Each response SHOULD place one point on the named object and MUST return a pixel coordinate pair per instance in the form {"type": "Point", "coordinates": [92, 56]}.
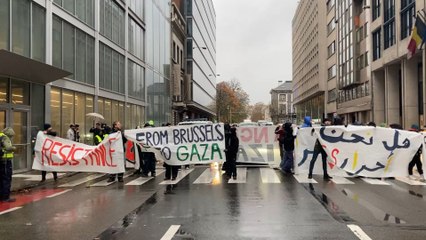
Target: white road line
{"type": "Point", "coordinates": [105, 182]}
{"type": "Point", "coordinates": [374, 181]}
{"type": "Point", "coordinates": [358, 232]}
{"type": "Point", "coordinates": [410, 182]}
{"type": "Point", "coordinates": [59, 193]}
{"type": "Point", "coordinates": [10, 210]}
{"type": "Point", "coordinates": [141, 180]}
{"type": "Point", "coordinates": [181, 174]}
{"type": "Point", "coordinates": [81, 181]}
{"type": "Point", "coordinates": [269, 175]}
{"type": "Point", "coordinates": [171, 232]}
{"type": "Point", "coordinates": [341, 180]}
{"type": "Point", "coordinates": [303, 178]}
{"type": "Point", "coordinates": [241, 176]}
{"type": "Point", "coordinates": [206, 177]}
{"type": "Point", "coordinates": [33, 177]}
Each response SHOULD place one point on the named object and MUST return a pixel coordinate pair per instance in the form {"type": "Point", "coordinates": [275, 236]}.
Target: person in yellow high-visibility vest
{"type": "Point", "coordinates": [6, 164]}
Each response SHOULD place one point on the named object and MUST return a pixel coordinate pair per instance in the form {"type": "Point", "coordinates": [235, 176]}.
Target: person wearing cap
{"type": "Point", "coordinates": [416, 160]}
{"type": "Point", "coordinates": [47, 129]}
{"type": "Point", "coordinates": [6, 164]}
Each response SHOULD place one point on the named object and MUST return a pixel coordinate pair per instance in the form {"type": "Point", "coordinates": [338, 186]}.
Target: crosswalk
{"type": "Point", "coordinates": [212, 176]}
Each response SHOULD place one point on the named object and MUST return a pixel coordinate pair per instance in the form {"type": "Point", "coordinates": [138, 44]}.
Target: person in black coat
{"type": "Point", "coordinates": [227, 128]}
{"type": "Point", "coordinates": [288, 142]}
{"type": "Point", "coordinates": [232, 151]}
{"type": "Point", "coordinates": [47, 129]}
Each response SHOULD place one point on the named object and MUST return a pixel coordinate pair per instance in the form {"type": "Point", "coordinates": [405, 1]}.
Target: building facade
{"type": "Point", "coordinates": [282, 109]}
{"type": "Point", "coordinates": [110, 56]}
{"type": "Point", "coordinates": [200, 77]}
{"type": "Point", "coordinates": [309, 67]}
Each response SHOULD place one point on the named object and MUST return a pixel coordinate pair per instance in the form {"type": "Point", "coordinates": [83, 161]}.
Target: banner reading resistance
{"type": "Point", "coordinates": [181, 145]}
{"type": "Point", "coordinates": [63, 155]}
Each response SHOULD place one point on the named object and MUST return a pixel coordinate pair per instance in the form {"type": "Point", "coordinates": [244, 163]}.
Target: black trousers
{"type": "Point", "coordinates": [416, 161]}
{"type": "Point", "coordinates": [120, 176]}
{"type": "Point", "coordinates": [5, 178]}
{"type": "Point", "coordinates": [171, 171]}
{"type": "Point", "coordinates": [232, 166]}
{"type": "Point", "coordinates": [314, 159]}
{"type": "Point", "coordinates": [43, 175]}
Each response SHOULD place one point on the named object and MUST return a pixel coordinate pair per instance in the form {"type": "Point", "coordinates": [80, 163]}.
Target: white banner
{"type": "Point", "coordinates": [258, 145]}
{"type": "Point", "coordinates": [359, 150]}
{"type": "Point", "coordinates": [181, 145]}
{"type": "Point", "coordinates": [63, 155]}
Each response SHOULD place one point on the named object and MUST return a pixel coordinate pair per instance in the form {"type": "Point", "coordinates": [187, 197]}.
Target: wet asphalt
{"type": "Point", "coordinates": [251, 210]}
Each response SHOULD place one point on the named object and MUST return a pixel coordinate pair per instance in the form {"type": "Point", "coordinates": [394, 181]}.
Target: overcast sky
{"type": "Point", "coordinates": [253, 44]}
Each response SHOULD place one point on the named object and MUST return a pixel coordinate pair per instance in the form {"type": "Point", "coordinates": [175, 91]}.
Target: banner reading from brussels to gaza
{"type": "Point", "coordinates": [359, 150]}
{"type": "Point", "coordinates": [181, 145]}
{"type": "Point", "coordinates": [258, 144]}
{"type": "Point", "coordinates": [63, 155]}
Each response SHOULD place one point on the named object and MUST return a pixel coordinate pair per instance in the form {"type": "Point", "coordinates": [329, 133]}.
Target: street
{"type": "Point", "coordinates": [262, 203]}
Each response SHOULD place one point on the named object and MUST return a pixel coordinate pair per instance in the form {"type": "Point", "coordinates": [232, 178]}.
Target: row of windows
{"type": "Point", "coordinates": [177, 54]}
{"type": "Point", "coordinates": [27, 24]}
{"type": "Point", "coordinates": [73, 50]}
{"type": "Point", "coordinates": [354, 93]}
{"type": "Point", "coordinates": [82, 9]}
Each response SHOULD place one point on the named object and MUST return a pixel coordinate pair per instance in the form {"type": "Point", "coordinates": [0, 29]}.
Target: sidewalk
{"type": "Point", "coordinates": [32, 178]}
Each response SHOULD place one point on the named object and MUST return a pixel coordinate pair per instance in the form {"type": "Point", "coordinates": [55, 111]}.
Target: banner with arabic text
{"type": "Point", "coordinates": [63, 155]}
{"type": "Point", "coordinates": [358, 150]}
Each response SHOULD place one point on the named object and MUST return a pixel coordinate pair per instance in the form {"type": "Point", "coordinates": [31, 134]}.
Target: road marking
{"type": "Point", "coordinates": [181, 174]}
{"type": "Point", "coordinates": [10, 210]}
{"type": "Point", "coordinates": [358, 232]}
{"type": "Point", "coordinates": [171, 232]}
{"type": "Point", "coordinates": [105, 182]}
{"type": "Point", "coordinates": [303, 178]}
{"type": "Point", "coordinates": [341, 180]}
{"type": "Point", "coordinates": [141, 180]}
{"type": "Point", "coordinates": [269, 176]}
{"type": "Point", "coordinates": [81, 181]}
{"type": "Point", "coordinates": [410, 182]}
{"type": "Point", "coordinates": [374, 181]}
{"type": "Point", "coordinates": [241, 176]}
{"type": "Point", "coordinates": [206, 177]}
{"type": "Point", "coordinates": [33, 177]}
{"type": "Point", "coordinates": [59, 193]}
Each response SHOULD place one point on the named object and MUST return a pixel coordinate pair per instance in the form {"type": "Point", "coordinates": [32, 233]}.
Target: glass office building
{"type": "Point", "coordinates": [63, 59]}
{"type": "Point", "coordinates": [200, 57]}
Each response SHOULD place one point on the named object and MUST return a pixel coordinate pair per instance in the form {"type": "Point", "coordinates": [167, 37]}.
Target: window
{"type": "Point", "coordinates": [4, 24]}
{"type": "Point", "coordinates": [21, 27]}
{"type": "Point", "coordinates": [332, 95]}
{"type": "Point", "coordinates": [331, 49]}
{"type": "Point", "coordinates": [112, 21]}
{"type": "Point", "coordinates": [332, 72]}
{"type": "Point", "coordinates": [330, 4]}
{"type": "Point", "coordinates": [389, 24]}
{"type": "Point", "coordinates": [331, 26]}
{"type": "Point", "coordinates": [111, 69]}
{"type": "Point", "coordinates": [136, 81]}
{"type": "Point", "coordinates": [283, 97]}
{"type": "Point", "coordinates": [408, 10]}
{"type": "Point", "coordinates": [82, 9]}
{"type": "Point", "coordinates": [376, 9]}
{"type": "Point", "coordinates": [137, 7]}
{"type": "Point", "coordinates": [136, 39]}
{"type": "Point", "coordinates": [38, 33]}
{"type": "Point", "coordinates": [376, 45]}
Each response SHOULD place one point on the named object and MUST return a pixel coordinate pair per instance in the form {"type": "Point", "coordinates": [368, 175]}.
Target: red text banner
{"type": "Point", "coordinates": [58, 154]}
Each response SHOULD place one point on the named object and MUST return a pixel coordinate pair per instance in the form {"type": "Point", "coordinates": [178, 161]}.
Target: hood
{"type": "Point", "coordinates": [307, 121]}
{"type": "Point", "coordinates": [287, 127]}
{"type": "Point", "coordinates": [9, 132]}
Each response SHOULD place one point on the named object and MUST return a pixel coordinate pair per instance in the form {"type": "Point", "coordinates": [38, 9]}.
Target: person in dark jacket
{"type": "Point", "coordinates": [279, 131]}
{"type": "Point", "coordinates": [317, 150]}
{"type": "Point", "coordinates": [227, 129]}
{"type": "Point", "coordinates": [6, 164]}
{"type": "Point", "coordinates": [47, 129]}
{"type": "Point", "coordinates": [288, 143]}
{"type": "Point", "coordinates": [116, 127]}
{"type": "Point", "coordinates": [416, 160]}
{"type": "Point", "coordinates": [232, 150]}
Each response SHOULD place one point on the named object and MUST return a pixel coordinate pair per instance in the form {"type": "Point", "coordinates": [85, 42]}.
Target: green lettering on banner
{"type": "Point", "coordinates": [185, 154]}
{"type": "Point", "coordinates": [195, 151]}
{"type": "Point", "coordinates": [215, 148]}
{"type": "Point", "coordinates": [206, 146]}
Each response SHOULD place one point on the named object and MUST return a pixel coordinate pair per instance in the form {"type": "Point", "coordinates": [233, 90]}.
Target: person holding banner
{"type": "Point", "coordinates": [279, 131]}
{"type": "Point", "coordinates": [116, 127]}
{"type": "Point", "coordinates": [317, 150]}
{"type": "Point", "coordinates": [416, 160]}
{"type": "Point", "coordinates": [288, 142]}
{"type": "Point", "coordinates": [234, 144]}
{"type": "Point", "coordinates": [47, 129]}
{"type": "Point", "coordinates": [6, 164]}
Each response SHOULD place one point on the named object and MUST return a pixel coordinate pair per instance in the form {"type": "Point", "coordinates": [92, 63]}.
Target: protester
{"type": "Point", "coordinates": [171, 171]}
{"type": "Point", "coordinates": [147, 160]}
{"type": "Point", "coordinates": [76, 132]}
{"type": "Point", "coordinates": [227, 129]}
{"type": "Point", "coordinates": [288, 142]}
{"type": "Point", "coordinates": [319, 149]}
{"type": "Point", "coordinates": [116, 127]}
{"type": "Point", "coordinates": [307, 122]}
{"type": "Point", "coordinates": [6, 164]}
{"type": "Point", "coordinates": [416, 160]}
{"type": "Point", "coordinates": [279, 131]}
{"type": "Point", "coordinates": [371, 124]}
{"type": "Point", "coordinates": [47, 129]}
{"type": "Point", "coordinates": [97, 134]}
{"type": "Point", "coordinates": [233, 152]}
{"type": "Point", "coordinates": [71, 133]}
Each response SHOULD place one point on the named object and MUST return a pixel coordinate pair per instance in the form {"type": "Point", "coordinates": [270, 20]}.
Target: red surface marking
{"type": "Point", "coordinates": [25, 198]}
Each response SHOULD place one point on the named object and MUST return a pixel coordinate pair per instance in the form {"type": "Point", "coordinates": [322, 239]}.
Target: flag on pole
{"type": "Point", "coordinates": [418, 37]}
